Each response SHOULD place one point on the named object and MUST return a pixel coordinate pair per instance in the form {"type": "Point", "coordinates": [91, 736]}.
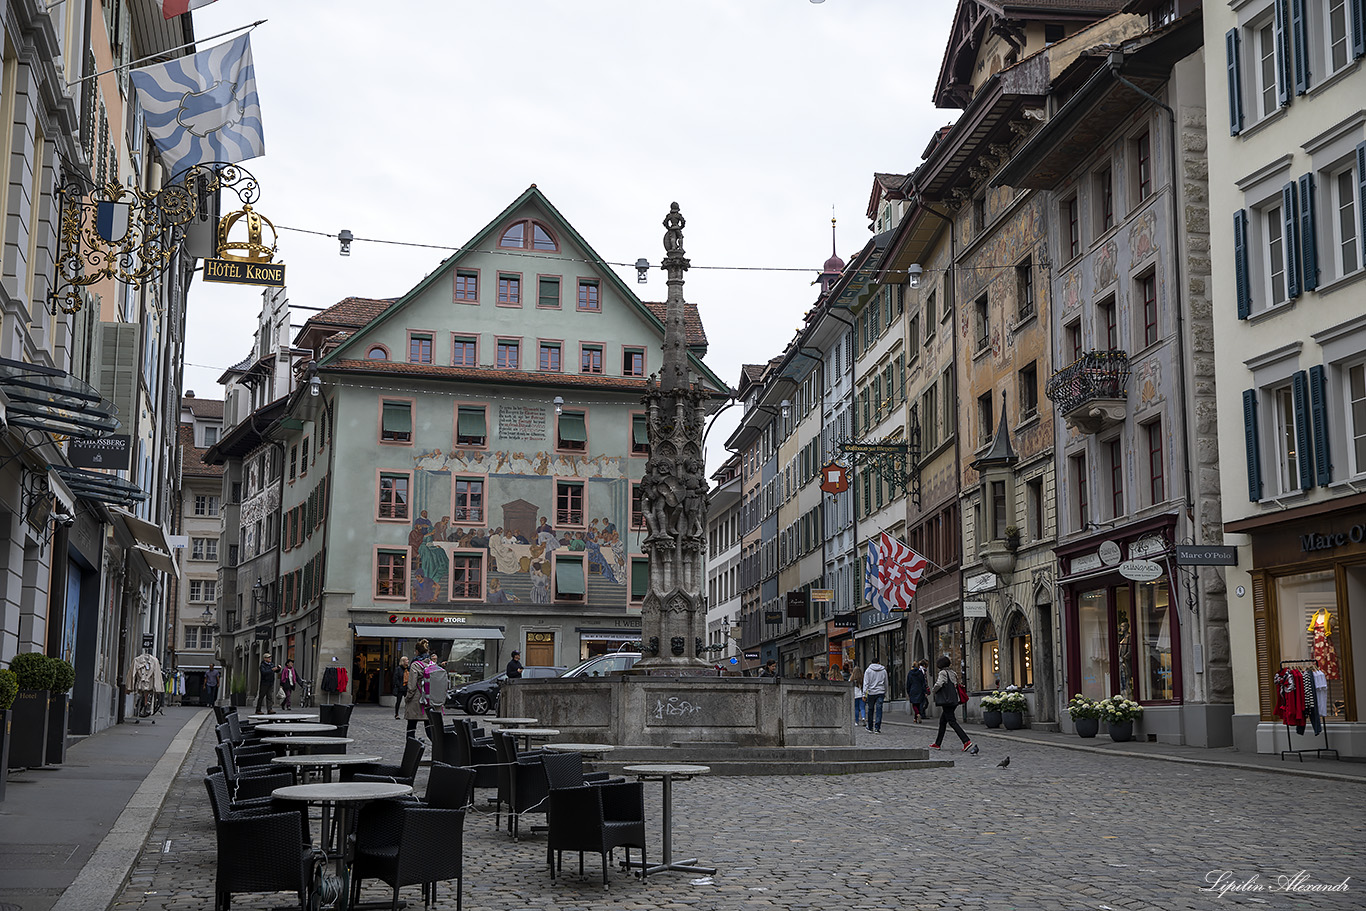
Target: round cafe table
{"type": "Point", "coordinates": [293, 744]}
{"type": "Point", "coordinates": [346, 797]}
{"type": "Point", "coordinates": [281, 716]}
{"type": "Point", "coordinates": [591, 751]}
{"type": "Point", "coordinates": [294, 727]}
{"type": "Point", "coordinates": [528, 734]}
{"type": "Point", "coordinates": [324, 762]}
{"type": "Point", "coordinates": [668, 773]}
{"type": "Point", "coordinates": [513, 722]}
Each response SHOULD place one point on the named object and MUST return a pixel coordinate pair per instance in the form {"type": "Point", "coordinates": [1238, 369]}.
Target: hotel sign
{"type": "Point", "coordinates": [235, 272]}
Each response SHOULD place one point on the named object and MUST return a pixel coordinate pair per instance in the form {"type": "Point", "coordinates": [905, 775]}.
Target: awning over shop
{"type": "Point", "coordinates": [884, 627]}
{"type": "Point", "coordinates": [429, 631]}
{"type": "Point", "coordinates": [158, 560]}
{"type": "Point", "coordinates": [148, 541]}
{"type": "Point", "coordinates": [94, 485]}
{"type": "Point", "coordinates": [45, 398]}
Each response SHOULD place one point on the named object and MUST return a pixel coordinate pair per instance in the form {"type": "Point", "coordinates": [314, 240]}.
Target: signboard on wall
{"type": "Point", "coordinates": [521, 422]}
{"type": "Point", "coordinates": [798, 604]}
{"type": "Point", "coordinates": [974, 609]}
{"type": "Point", "coordinates": [105, 452]}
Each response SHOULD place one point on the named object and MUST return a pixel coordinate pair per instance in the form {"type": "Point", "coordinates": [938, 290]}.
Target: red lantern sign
{"type": "Point", "coordinates": [834, 478]}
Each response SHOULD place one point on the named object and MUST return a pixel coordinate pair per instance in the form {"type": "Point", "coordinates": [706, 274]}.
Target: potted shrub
{"type": "Point", "coordinates": [9, 689]}
{"type": "Point", "coordinates": [991, 710]}
{"type": "Point", "coordinates": [59, 709]}
{"type": "Point", "coordinates": [1119, 714]}
{"type": "Point", "coordinates": [35, 675]}
{"type": "Point", "coordinates": [1013, 705]}
{"type": "Point", "coordinates": [1012, 537]}
{"type": "Point", "coordinates": [237, 689]}
{"type": "Point", "coordinates": [1085, 715]}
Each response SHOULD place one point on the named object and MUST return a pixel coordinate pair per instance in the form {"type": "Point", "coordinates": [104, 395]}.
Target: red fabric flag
{"type": "Point", "coordinates": [172, 8]}
{"type": "Point", "coordinates": [899, 571]}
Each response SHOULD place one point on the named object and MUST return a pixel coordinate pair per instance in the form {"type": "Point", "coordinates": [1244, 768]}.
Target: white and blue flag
{"type": "Point", "coordinates": [203, 108]}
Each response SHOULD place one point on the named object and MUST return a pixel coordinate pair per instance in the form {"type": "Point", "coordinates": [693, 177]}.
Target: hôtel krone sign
{"type": "Point", "coordinates": [238, 272]}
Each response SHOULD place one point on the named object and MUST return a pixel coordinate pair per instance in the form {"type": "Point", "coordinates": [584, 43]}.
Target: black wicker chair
{"type": "Point", "coordinates": [403, 773]}
{"type": "Point", "coordinates": [254, 781]}
{"type": "Point", "coordinates": [565, 770]}
{"type": "Point", "coordinates": [405, 844]}
{"type": "Point", "coordinates": [336, 713]}
{"type": "Point", "coordinates": [449, 787]}
{"type": "Point", "coordinates": [474, 752]}
{"type": "Point", "coordinates": [596, 819]}
{"type": "Point", "coordinates": [522, 784]}
{"type": "Point", "coordinates": [263, 850]}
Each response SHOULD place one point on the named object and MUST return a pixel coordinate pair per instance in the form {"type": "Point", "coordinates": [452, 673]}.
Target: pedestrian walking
{"type": "Point", "coordinates": [916, 685]}
{"type": "Point", "coordinates": [874, 692]}
{"type": "Point", "coordinates": [211, 678]}
{"type": "Point", "coordinates": [265, 695]}
{"type": "Point", "coordinates": [400, 684]}
{"type": "Point", "coordinates": [514, 668]}
{"type": "Point", "coordinates": [946, 696]}
{"type": "Point", "coordinates": [421, 704]}
{"type": "Point", "coordinates": [289, 679]}
{"type": "Point", "coordinates": [856, 675]}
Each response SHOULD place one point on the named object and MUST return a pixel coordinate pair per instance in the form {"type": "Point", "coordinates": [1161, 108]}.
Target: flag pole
{"type": "Point", "coordinates": [133, 63]}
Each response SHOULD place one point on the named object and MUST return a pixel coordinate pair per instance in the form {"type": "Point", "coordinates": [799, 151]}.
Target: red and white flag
{"type": "Point", "coordinates": [172, 8]}
{"type": "Point", "coordinates": [894, 571]}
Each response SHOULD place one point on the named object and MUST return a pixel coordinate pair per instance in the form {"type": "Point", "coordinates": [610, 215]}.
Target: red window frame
{"type": "Point", "coordinates": [509, 289]}
{"type": "Point", "coordinates": [509, 346]}
{"type": "Point", "coordinates": [633, 362]}
{"type": "Point", "coordinates": [1079, 479]}
{"type": "Point", "coordinates": [395, 496]}
{"type": "Point", "coordinates": [1144, 169]}
{"type": "Point", "coordinates": [468, 499]}
{"type": "Point", "coordinates": [467, 285]}
{"type": "Point", "coordinates": [391, 574]}
{"type": "Point", "coordinates": [569, 503]}
{"type": "Point", "coordinates": [1157, 487]}
{"type": "Point", "coordinates": [1148, 293]}
{"type": "Point", "coordinates": [419, 348]}
{"type": "Point", "coordinates": [464, 351]}
{"type": "Point", "coordinates": [1116, 453]}
{"type": "Point", "coordinates": [550, 357]}
{"type": "Point", "coordinates": [467, 576]}
{"type": "Point", "coordinates": [1073, 228]}
{"type": "Point", "coordinates": [590, 295]}
{"type": "Point", "coordinates": [637, 506]}
{"type": "Point", "coordinates": [590, 359]}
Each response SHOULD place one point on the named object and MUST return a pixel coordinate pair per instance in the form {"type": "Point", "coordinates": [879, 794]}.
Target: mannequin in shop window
{"type": "Point", "coordinates": [1325, 655]}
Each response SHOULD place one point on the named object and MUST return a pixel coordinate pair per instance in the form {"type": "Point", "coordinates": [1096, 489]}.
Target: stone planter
{"type": "Point", "coordinates": [237, 699]}
{"type": "Point", "coordinates": [1087, 727]}
{"type": "Point", "coordinates": [991, 719]}
{"type": "Point", "coordinates": [4, 749]}
{"type": "Point", "coordinates": [58, 712]}
{"type": "Point", "coordinates": [1013, 720]}
{"type": "Point", "coordinates": [28, 746]}
{"type": "Point", "coordinates": [1121, 731]}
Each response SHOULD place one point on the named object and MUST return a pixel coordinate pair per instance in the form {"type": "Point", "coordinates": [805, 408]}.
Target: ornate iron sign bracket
{"type": "Point", "coordinates": [898, 463]}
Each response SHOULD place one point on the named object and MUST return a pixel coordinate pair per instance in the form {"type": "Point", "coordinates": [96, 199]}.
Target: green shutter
{"type": "Point", "coordinates": [1253, 443]}
{"type": "Point", "coordinates": [569, 576]}
{"type": "Point", "coordinates": [1235, 83]}
{"type": "Point", "coordinates": [1318, 423]}
{"type": "Point", "coordinates": [1281, 28]}
{"type": "Point", "coordinates": [1240, 273]}
{"type": "Point", "coordinates": [1299, 393]}
{"type": "Point", "coordinates": [1299, 40]}
{"type": "Point", "coordinates": [640, 579]}
{"type": "Point", "coordinates": [573, 428]}
{"type": "Point", "coordinates": [1290, 227]}
{"type": "Point", "coordinates": [471, 422]}
{"type": "Point", "coordinates": [640, 434]}
{"type": "Point", "coordinates": [398, 418]}
{"type": "Point", "coordinates": [1358, 27]}
{"type": "Point", "coordinates": [549, 292]}
{"type": "Point", "coordinates": [1309, 253]}
{"type": "Point", "coordinates": [1361, 196]}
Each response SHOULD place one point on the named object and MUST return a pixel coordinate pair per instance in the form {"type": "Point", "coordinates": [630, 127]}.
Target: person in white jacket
{"type": "Point", "coordinates": [874, 692]}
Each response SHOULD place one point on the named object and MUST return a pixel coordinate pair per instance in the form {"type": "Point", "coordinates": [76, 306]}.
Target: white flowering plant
{"type": "Point", "coordinates": [1012, 701]}
{"type": "Point", "coordinates": [1117, 708]}
{"type": "Point", "coordinates": [1081, 707]}
{"type": "Point", "coordinates": [991, 702]}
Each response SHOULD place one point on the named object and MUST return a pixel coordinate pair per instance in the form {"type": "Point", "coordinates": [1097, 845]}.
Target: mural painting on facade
{"type": "Point", "coordinates": [1142, 236]}
{"type": "Point", "coordinates": [1106, 265]}
{"type": "Point", "coordinates": [1071, 293]}
{"type": "Point", "coordinates": [1149, 376]}
{"type": "Point", "coordinates": [509, 520]}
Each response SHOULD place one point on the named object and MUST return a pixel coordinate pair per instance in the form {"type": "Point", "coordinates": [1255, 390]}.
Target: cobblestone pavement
{"type": "Point", "coordinates": [1057, 829]}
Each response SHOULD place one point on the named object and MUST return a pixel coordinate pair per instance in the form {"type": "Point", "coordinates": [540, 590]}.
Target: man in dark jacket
{"type": "Point", "coordinates": [916, 683]}
{"type": "Point", "coordinates": [266, 694]}
{"type": "Point", "coordinates": [400, 684]}
{"type": "Point", "coordinates": [514, 668]}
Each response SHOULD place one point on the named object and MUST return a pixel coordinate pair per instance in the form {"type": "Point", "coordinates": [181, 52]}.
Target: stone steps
{"type": "Point", "coordinates": [760, 761]}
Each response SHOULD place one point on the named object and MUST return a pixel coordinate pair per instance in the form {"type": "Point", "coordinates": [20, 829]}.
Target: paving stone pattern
{"type": "Point", "coordinates": [1058, 829]}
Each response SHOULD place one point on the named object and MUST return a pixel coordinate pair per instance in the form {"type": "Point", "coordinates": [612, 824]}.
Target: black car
{"type": "Point", "coordinates": [482, 697]}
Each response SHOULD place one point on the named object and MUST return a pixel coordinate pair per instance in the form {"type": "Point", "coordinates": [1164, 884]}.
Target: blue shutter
{"type": "Point", "coordinates": [1361, 188]}
{"type": "Point", "coordinates": [1318, 424]}
{"type": "Point", "coordinates": [1309, 253]}
{"type": "Point", "coordinates": [1358, 27]}
{"type": "Point", "coordinates": [1254, 449]}
{"type": "Point", "coordinates": [1240, 263]}
{"type": "Point", "coordinates": [1299, 42]}
{"type": "Point", "coordinates": [1235, 83]}
{"type": "Point", "coordinates": [1299, 393]}
{"type": "Point", "coordinates": [1290, 229]}
{"type": "Point", "coordinates": [1280, 28]}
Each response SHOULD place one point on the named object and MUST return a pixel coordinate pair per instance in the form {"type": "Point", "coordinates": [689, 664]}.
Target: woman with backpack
{"type": "Point", "coordinates": [415, 703]}
{"type": "Point", "coordinates": [947, 697]}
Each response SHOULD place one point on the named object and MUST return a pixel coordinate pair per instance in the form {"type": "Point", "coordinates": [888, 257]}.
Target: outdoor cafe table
{"type": "Point", "coordinates": [527, 734]}
{"type": "Point", "coordinates": [589, 750]}
{"type": "Point", "coordinates": [346, 797]}
{"type": "Point", "coordinates": [513, 722]}
{"type": "Point", "coordinates": [667, 773]}
{"type": "Point", "coordinates": [292, 744]}
{"type": "Point", "coordinates": [281, 716]}
{"type": "Point", "coordinates": [324, 762]}
{"type": "Point", "coordinates": [294, 727]}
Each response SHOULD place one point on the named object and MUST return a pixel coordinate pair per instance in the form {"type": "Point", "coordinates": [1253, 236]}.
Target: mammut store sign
{"type": "Point", "coordinates": [234, 272]}
{"type": "Point", "coordinates": [425, 619]}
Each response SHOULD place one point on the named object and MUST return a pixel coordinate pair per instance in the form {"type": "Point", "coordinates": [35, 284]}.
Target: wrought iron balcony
{"type": "Point", "coordinates": [1092, 393]}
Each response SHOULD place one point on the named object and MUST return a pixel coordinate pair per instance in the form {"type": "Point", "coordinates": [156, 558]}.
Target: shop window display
{"type": "Point", "coordinates": [988, 657]}
{"type": "Point", "coordinates": [1310, 630]}
{"type": "Point", "coordinates": [1021, 652]}
{"type": "Point", "coordinates": [1093, 626]}
{"type": "Point", "coordinates": [1154, 644]}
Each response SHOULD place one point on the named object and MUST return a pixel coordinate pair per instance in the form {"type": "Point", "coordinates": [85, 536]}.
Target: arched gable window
{"type": "Point", "coordinates": [528, 234]}
{"type": "Point", "coordinates": [377, 353]}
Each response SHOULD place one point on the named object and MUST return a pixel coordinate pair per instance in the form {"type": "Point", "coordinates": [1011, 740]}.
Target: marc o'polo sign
{"type": "Point", "coordinates": [234, 272]}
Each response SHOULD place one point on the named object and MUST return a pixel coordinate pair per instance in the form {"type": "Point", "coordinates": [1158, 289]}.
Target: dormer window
{"type": "Point", "coordinates": [377, 353]}
{"type": "Point", "coordinates": [528, 234]}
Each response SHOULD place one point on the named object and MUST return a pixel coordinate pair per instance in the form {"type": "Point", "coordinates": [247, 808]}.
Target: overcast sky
{"type": "Point", "coordinates": [420, 121]}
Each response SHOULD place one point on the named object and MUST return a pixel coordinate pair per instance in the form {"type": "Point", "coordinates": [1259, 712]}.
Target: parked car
{"type": "Point", "coordinates": [611, 663]}
{"type": "Point", "coordinates": [482, 697]}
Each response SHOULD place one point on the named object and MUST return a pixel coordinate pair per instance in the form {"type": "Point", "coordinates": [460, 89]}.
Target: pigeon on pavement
{"type": "Point", "coordinates": [1003, 763]}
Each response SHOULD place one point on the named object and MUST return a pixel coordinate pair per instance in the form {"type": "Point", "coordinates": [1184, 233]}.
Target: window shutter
{"type": "Point", "coordinates": [569, 576]}
{"type": "Point", "coordinates": [1309, 253]}
{"type": "Point", "coordinates": [1235, 83]}
{"type": "Point", "coordinates": [1299, 391]}
{"type": "Point", "coordinates": [1318, 423]}
{"type": "Point", "coordinates": [1290, 226]}
{"type": "Point", "coordinates": [1254, 450]}
{"type": "Point", "coordinates": [1282, 25]}
{"type": "Point", "coordinates": [640, 434]}
{"type": "Point", "coordinates": [471, 422]}
{"type": "Point", "coordinates": [1358, 14]}
{"type": "Point", "coordinates": [397, 418]}
{"type": "Point", "coordinates": [1299, 40]}
{"type": "Point", "coordinates": [572, 427]}
{"type": "Point", "coordinates": [1240, 263]}
{"type": "Point", "coordinates": [1361, 184]}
